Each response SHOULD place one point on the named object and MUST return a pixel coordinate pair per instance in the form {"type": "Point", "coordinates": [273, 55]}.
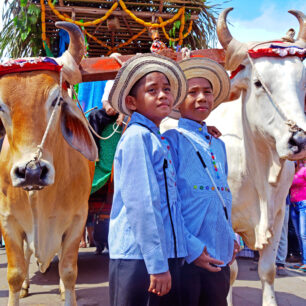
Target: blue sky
{"type": "Point", "coordinates": [262, 19]}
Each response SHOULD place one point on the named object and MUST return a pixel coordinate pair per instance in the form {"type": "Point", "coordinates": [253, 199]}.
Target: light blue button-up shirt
{"type": "Point", "coordinates": [140, 225]}
{"type": "Point", "coordinates": [202, 209]}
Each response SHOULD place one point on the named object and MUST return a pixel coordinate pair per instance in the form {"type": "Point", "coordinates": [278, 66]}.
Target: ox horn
{"type": "Point", "coordinates": [224, 35]}
{"type": "Point", "coordinates": [235, 50]}
{"type": "Point", "coordinates": [77, 44]}
{"type": "Point", "coordinates": [302, 20]}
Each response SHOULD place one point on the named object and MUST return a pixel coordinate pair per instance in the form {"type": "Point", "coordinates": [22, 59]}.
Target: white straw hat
{"type": "Point", "coordinates": [199, 67]}
{"type": "Point", "coordinates": [137, 67]}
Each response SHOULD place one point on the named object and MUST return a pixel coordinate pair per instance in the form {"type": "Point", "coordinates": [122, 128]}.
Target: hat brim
{"type": "Point", "coordinates": [137, 67]}
{"type": "Point", "coordinates": [210, 70]}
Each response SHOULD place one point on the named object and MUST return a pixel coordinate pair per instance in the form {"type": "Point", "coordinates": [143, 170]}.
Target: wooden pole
{"type": "Point", "coordinates": [106, 68]}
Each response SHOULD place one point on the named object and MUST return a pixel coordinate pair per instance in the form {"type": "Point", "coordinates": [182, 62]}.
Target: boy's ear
{"type": "Point", "coordinates": [130, 102]}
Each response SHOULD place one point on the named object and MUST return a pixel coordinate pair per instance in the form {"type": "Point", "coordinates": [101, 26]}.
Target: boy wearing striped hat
{"type": "Point", "coordinates": [146, 236]}
{"type": "Point", "coordinates": [201, 166]}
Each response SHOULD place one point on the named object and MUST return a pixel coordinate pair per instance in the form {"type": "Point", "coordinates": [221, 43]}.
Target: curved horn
{"type": "Point", "coordinates": [302, 20]}
{"type": "Point", "coordinates": [77, 45]}
{"type": "Point", "coordinates": [224, 35]}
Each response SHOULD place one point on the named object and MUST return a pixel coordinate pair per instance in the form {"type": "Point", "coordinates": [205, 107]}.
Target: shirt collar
{"type": "Point", "coordinates": [142, 120]}
{"type": "Point", "coordinates": [192, 125]}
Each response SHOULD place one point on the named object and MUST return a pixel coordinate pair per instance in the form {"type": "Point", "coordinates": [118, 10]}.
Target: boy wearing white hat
{"type": "Point", "coordinates": [146, 236]}
{"type": "Point", "coordinates": [201, 165]}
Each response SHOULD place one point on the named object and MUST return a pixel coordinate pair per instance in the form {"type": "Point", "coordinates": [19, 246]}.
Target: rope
{"type": "Point", "coordinates": [162, 24]}
{"type": "Point", "coordinates": [149, 24]}
{"type": "Point", "coordinates": [293, 127]}
{"type": "Point", "coordinates": [89, 125]}
{"type": "Point", "coordinates": [39, 152]}
{"type": "Point", "coordinates": [43, 22]}
{"type": "Point", "coordinates": [127, 42]}
{"type": "Point", "coordinates": [79, 23]}
{"type": "Point", "coordinates": [176, 39]}
{"type": "Point", "coordinates": [181, 37]}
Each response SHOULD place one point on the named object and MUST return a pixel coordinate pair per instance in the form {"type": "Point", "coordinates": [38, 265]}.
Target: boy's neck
{"type": "Point", "coordinates": [199, 122]}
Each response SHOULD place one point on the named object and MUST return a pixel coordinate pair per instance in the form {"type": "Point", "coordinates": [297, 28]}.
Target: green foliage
{"type": "Point", "coordinates": [21, 33]}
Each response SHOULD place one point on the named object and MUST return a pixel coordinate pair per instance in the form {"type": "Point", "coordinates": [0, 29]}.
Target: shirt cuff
{"type": "Point", "coordinates": [195, 248]}
{"type": "Point", "coordinates": [155, 261]}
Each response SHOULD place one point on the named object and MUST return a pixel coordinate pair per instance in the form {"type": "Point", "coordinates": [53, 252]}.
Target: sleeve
{"type": "Point", "coordinates": [141, 197]}
{"type": "Point", "coordinates": [226, 172]}
{"type": "Point", "coordinates": [194, 246]}
{"type": "Point", "coordinates": [107, 89]}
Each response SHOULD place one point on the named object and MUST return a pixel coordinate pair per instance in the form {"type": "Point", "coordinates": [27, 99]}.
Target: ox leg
{"type": "Point", "coordinates": [16, 267]}
{"type": "Point", "coordinates": [26, 284]}
{"type": "Point", "coordinates": [68, 272]}
{"type": "Point", "coordinates": [233, 276]}
{"type": "Point", "coordinates": [266, 264]}
{"type": "Point", "coordinates": [68, 258]}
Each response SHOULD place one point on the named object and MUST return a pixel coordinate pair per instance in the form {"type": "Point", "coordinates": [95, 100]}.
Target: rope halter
{"type": "Point", "coordinates": [40, 147]}
{"type": "Point", "coordinates": [293, 127]}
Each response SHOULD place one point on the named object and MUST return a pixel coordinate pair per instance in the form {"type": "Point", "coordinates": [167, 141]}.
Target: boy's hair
{"type": "Point", "coordinates": [134, 89]}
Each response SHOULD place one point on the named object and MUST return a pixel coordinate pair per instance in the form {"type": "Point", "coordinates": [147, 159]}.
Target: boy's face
{"type": "Point", "coordinates": [153, 97]}
{"type": "Point", "coordinates": [199, 100]}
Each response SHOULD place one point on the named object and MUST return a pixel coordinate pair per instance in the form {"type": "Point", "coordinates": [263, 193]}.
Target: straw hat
{"type": "Point", "coordinates": [137, 67]}
{"type": "Point", "coordinates": [197, 67]}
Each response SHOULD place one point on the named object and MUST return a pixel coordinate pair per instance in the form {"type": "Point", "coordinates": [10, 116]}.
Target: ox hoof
{"type": "Point", "coordinates": [24, 292]}
{"type": "Point", "coordinates": [62, 294]}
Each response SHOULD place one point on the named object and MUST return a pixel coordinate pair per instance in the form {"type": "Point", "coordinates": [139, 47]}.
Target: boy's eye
{"type": "Point", "coordinates": [151, 89]}
{"type": "Point", "coordinates": [167, 89]}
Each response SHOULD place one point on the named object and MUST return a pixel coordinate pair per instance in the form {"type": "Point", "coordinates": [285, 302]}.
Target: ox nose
{"type": "Point", "coordinates": [297, 142]}
{"type": "Point", "coordinates": [32, 175]}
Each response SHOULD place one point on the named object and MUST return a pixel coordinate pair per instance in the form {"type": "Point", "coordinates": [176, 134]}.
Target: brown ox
{"type": "Point", "coordinates": [43, 203]}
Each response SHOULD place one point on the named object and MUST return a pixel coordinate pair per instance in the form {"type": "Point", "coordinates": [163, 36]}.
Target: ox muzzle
{"type": "Point", "coordinates": [297, 142]}
{"type": "Point", "coordinates": [32, 175]}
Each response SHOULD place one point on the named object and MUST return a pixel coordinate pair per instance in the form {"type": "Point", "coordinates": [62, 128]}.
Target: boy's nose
{"type": "Point", "coordinates": [201, 97]}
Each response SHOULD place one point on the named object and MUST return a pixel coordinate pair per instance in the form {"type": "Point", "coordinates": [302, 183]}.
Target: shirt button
{"type": "Point", "coordinates": [200, 129]}
{"type": "Point", "coordinates": [195, 187]}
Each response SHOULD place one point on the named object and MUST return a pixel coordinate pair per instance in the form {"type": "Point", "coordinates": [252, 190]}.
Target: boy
{"type": "Point", "coordinates": [146, 227]}
{"type": "Point", "coordinates": [205, 196]}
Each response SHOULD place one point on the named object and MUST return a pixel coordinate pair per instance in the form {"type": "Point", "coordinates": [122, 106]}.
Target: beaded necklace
{"type": "Point", "coordinates": [213, 158]}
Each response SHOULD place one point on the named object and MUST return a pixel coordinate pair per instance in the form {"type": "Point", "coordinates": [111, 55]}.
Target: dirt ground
{"type": "Point", "coordinates": [92, 284]}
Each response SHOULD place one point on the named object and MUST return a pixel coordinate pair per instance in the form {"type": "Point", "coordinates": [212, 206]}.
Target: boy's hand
{"type": "Point", "coordinates": [108, 109]}
{"type": "Point", "coordinates": [212, 130]}
{"type": "Point", "coordinates": [206, 262]}
{"type": "Point", "coordinates": [160, 284]}
{"type": "Point", "coordinates": [236, 250]}
{"type": "Point", "coordinates": [120, 119]}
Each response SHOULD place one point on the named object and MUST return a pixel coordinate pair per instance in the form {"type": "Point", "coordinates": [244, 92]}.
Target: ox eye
{"type": "Point", "coordinates": [53, 102]}
{"type": "Point", "coordinates": [257, 84]}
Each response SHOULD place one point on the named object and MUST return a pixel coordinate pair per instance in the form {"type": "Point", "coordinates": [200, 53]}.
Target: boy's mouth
{"type": "Point", "coordinates": [202, 108]}
{"type": "Point", "coordinates": [164, 104]}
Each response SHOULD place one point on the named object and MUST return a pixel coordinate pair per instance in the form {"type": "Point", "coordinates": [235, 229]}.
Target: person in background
{"type": "Point", "coordinates": [298, 211]}
{"type": "Point", "coordinates": [282, 250]}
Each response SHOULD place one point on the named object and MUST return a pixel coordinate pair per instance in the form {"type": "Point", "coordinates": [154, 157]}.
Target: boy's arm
{"type": "Point", "coordinates": [141, 197]}
{"type": "Point", "coordinates": [195, 247]}
{"type": "Point", "coordinates": [230, 213]}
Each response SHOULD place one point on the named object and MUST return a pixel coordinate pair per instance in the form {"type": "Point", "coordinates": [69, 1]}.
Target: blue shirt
{"type": "Point", "coordinates": [202, 209]}
{"type": "Point", "coordinates": [140, 225]}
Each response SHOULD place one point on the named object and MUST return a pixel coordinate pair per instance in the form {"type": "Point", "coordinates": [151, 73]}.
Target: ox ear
{"type": "Point", "coordinates": [76, 133]}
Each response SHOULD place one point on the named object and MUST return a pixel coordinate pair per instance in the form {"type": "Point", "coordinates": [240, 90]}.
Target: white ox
{"type": "Point", "coordinates": [260, 143]}
{"type": "Point", "coordinates": [44, 201]}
